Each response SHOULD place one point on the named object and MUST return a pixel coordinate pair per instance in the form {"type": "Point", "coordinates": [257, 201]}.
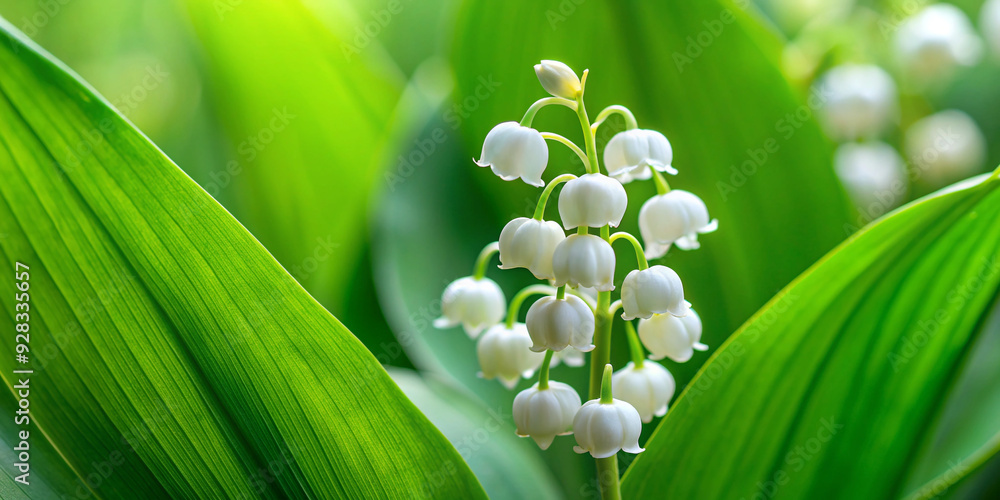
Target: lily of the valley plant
{"type": "Point", "coordinates": [576, 312]}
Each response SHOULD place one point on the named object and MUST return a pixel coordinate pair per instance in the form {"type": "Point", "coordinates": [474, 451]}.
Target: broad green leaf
{"type": "Point", "coordinates": [721, 101]}
{"type": "Point", "coordinates": [172, 355]}
{"type": "Point", "coordinates": [306, 119]}
{"type": "Point", "coordinates": [834, 387]}
{"type": "Point", "coordinates": [504, 463]}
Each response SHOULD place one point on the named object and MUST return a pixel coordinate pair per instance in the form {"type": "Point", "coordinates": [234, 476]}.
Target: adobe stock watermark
{"type": "Point", "coordinates": [248, 151]}
{"type": "Point", "coordinates": [45, 11]}
{"type": "Point", "coordinates": [321, 252]}
{"type": "Point", "coordinates": [562, 12]}
{"type": "Point", "coordinates": [129, 101]}
{"type": "Point", "coordinates": [796, 459]}
{"type": "Point", "coordinates": [889, 24]}
{"type": "Point", "coordinates": [786, 127]}
{"type": "Point", "coordinates": [366, 33]}
{"type": "Point", "coordinates": [738, 348]}
{"type": "Point", "coordinates": [701, 41]}
{"type": "Point", "coordinates": [426, 146]}
{"type": "Point", "coordinates": [927, 328]}
{"type": "Point", "coordinates": [916, 166]}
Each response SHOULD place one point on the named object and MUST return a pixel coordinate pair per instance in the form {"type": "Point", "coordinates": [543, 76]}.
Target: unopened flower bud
{"type": "Point", "coordinates": [584, 260]}
{"type": "Point", "coordinates": [558, 79]}
{"type": "Point", "coordinates": [474, 303]}
{"type": "Point", "coordinates": [555, 324]}
{"type": "Point", "coordinates": [514, 151]}
{"type": "Point", "coordinates": [592, 200]}
{"type": "Point", "coordinates": [529, 243]}
{"type": "Point", "coordinates": [546, 413]}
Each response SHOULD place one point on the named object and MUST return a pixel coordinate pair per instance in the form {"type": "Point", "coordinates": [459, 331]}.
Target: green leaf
{"type": "Point", "coordinates": [832, 389]}
{"type": "Point", "coordinates": [721, 102]}
{"type": "Point", "coordinates": [172, 355]}
{"type": "Point", "coordinates": [306, 109]}
{"type": "Point", "coordinates": [505, 464]}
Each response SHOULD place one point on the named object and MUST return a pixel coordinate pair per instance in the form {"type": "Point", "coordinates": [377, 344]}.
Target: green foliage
{"type": "Point", "coordinates": [839, 385]}
{"type": "Point", "coordinates": [173, 356]}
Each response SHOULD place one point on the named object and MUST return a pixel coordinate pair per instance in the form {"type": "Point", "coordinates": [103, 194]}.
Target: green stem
{"type": "Point", "coordinates": [661, 183]}
{"type": "Point", "coordinates": [601, 355]}
{"type": "Point", "coordinates": [582, 230]}
{"type": "Point", "coordinates": [544, 198]}
{"type": "Point", "coordinates": [639, 254]}
{"type": "Point", "coordinates": [561, 292]}
{"type": "Point", "coordinates": [606, 385]}
{"type": "Point", "coordinates": [543, 374]}
{"type": "Point", "coordinates": [519, 298]}
{"type": "Point", "coordinates": [570, 144]}
{"type": "Point", "coordinates": [634, 346]}
{"type": "Point", "coordinates": [484, 258]}
{"type": "Point", "coordinates": [630, 123]}
{"type": "Point", "coordinates": [529, 115]}
{"type": "Point", "coordinates": [593, 166]}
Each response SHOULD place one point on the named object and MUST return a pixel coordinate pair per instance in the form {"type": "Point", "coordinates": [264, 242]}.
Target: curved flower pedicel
{"type": "Point", "coordinates": [575, 313]}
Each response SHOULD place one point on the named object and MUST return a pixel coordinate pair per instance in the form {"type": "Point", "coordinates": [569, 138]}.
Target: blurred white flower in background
{"type": "Point", "coordinates": [989, 23]}
{"type": "Point", "coordinates": [859, 101]}
{"type": "Point", "coordinates": [936, 40]}
{"type": "Point", "coordinates": [873, 174]}
{"type": "Point", "coordinates": [945, 147]}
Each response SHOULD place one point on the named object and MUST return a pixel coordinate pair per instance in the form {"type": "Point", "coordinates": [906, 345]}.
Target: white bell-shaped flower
{"type": "Point", "coordinates": [474, 303]}
{"type": "Point", "coordinates": [570, 357]}
{"type": "Point", "coordinates": [636, 149]}
{"type": "Point", "coordinates": [584, 260]}
{"type": "Point", "coordinates": [666, 335]}
{"type": "Point", "coordinates": [558, 79]}
{"type": "Point", "coordinates": [514, 151]}
{"type": "Point", "coordinates": [602, 429]}
{"type": "Point", "coordinates": [936, 40]}
{"type": "Point", "coordinates": [858, 101]}
{"type": "Point", "coordinates": [873, 174]}
{"type": "Point", "coordinates": [989, 22]}
{"type": "Point", "coordinates": [546, 413]}
{"type": "Point", "coordinates": [529, 243]}
{"type": "Point", "coordinates": [676, 217]}
{"type": "Point", "coordinates": [555, 324]}
{"type": "Point", "coordinates": [638, 174]}
{"type": "Point", "coordinates": [505, 354]}
{"type": "Point", "coordinates": [945, 147]}
{"type": "Point", "coordinates": [592, 200]}
{"type": "Point", "coordinates": [647, 388]}
{"type": "Point", "coordinates": [656, 290]}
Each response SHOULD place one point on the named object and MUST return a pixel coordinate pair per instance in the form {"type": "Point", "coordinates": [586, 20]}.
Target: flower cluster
{"type": "Point", "coordinates": [860, 103]}
{"type": "Point", "coordinates": [575, 313]}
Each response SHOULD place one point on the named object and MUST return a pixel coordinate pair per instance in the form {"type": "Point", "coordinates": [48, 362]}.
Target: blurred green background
{"type": "Point", "coordinates": [341, 134]}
